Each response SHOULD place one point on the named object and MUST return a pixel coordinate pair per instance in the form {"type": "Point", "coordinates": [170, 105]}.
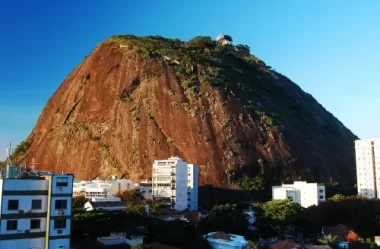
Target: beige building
{"type": "Point", "coordinates": [368, 167]}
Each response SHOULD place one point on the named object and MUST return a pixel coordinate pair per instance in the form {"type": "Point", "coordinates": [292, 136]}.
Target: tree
{"type": "Point", "coordinates": [139, 246]}
{"type": "Point", "coordinates": [252, 184]}
{"type": "Point", "coordinates": [252, 245]}
{"type": "Point", "coordinates": [79, 201]}
{"type": "Point", "coordinates": [363, 244]}
{"type": "Point", "coordinates": [281, 212]}
{"type": "Point", "coordinates": [225, 218]}
{"type": "Point", "coordinates": [328, 239]}
{"type": "Point", "coordinates": [337, 197]}
{"type": "Point", "coordinates": [133, 196]}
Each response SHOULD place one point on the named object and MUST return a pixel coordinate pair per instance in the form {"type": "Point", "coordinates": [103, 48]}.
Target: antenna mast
{"type": "Point", "coordinates": [33, 163]}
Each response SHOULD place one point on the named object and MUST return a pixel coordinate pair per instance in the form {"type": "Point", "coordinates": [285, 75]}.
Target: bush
{"type": "Point", "coordinates": [202, 42]}
{"type": "Point", "coordinates": [125, 96]}
{"type": "Point", "coordinates": [21, 149]}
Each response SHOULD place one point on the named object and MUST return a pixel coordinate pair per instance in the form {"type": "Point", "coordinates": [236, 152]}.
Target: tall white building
{"type": "Point", "coordinates": [176, 183]}
{"type": "Point", "coordinates": [192, 187]}
{"type": "Point", "coordinates": [36, 212]}
{"type": "Point", "coordinates": [368, 167]}
{"type": "Point", "coordinates": [303, 193]}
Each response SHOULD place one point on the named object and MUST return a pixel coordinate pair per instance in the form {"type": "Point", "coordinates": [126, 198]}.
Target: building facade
{"type": "Point", "coordinates": [36, 212]}
{"type": "Point", "coordinates": [101, 188]}
{"type": "Point", "coordinates": [368, 167]}
{"type": "Point", "coordinates": [175, 182]}
{"type": "Point", "coordinates": [192, 187]}
{"type": "Point", "coordinates": [145, 189]}
{"type": "Point", "coordinates": [303, 193]}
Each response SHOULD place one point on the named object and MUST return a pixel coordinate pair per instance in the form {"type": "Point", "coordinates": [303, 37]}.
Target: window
{"type": "Point", "coordinates": [12, 204]}
{"type": "Point", "coordinates": [321, 197]}
{"type": "Point", "coordinates": [60, 204]}
{"type": "Point", "coordinates": [36, 204]}
{"type": "Point", "coordinates": [321, 191]}
{"type": "Point", "coordinates": [62, 181]}
{"type": "Point", "coordinates": [11, 225]}
{"type": "Point", "coordinates": [59, 224]}
{"type": "Point", "coordinates": [35, 224]}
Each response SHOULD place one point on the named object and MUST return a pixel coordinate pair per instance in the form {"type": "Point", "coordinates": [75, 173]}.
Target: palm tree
{"type": "Point", "coordinates": [327, 239]}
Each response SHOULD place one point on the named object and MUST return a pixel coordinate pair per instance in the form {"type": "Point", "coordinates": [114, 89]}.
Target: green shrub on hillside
{"type": "Point", "coordinates": [22, 148]}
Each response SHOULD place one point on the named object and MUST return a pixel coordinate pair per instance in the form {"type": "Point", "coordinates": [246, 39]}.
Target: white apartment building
{"type": "Point", "coordinates": [36, 212]}
{"type": "Point", "coordinates": [145, 188]}
{"type": "Point", "coordinates": [101, 188]}
{"type": "Point", "coordinates": [192, 187]}
{"type": "Point", "coordinates": [303, 193]}
{"type": "Point", "coordinates": [368, 167]}
{"type": "Point", "coordinates": [176, 183]}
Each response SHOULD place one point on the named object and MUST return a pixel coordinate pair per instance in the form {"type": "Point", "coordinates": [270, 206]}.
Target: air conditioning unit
{"type": "Point", "coordinates": [59, 231]}
{"type": "Point", "coordinates": [21, 211]}
{"type": "Point", "coordinates": [61, 212]}
{"type": "Point", "coordinates": [27, 231]}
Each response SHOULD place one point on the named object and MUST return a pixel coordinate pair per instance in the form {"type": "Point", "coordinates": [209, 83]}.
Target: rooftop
{"type": "Point", "coordinates": [107, 204]}
{"type": "Point", "coordinates": [156, 245]}
{"type": "Point", "coordinates": [285, 244]}
{"type": "Point", "coordinates": [226, 239]}
{"type": "Point", "coordinates": [342, 232]}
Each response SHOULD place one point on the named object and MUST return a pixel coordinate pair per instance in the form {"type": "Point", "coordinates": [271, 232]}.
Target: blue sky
{"type": "Point", "coordinates": [330, 48]}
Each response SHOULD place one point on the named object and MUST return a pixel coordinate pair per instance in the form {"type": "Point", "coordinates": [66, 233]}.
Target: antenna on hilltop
{"type": "Point", "coordinates": [8, 154]}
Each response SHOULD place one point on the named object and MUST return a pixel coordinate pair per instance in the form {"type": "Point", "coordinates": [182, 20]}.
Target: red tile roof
{"type": "Point", "coordinates": [284, 244]}
{"type": "Point", "coordinates": [341, 232]}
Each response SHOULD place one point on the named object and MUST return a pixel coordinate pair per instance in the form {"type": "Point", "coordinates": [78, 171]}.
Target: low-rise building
{"type": "Point", "coordinates": [145, 188]}
{"type": "Point", "coordinates": [107, 204]}
{"type": "Point", "coordinates": [306, 194]}
{"type": "Point", "coordinates": [35, 211]}
{"type": "Point", "coordinates": [101, 188]}
{"type": "Point", "coordinates": [121, 238]}
{"type": "Point", "coordinates": [222, 240]}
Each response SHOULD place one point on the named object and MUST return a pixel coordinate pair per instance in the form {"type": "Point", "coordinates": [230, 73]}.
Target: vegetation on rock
{"type": "Point", "coordinates": [210, 104]}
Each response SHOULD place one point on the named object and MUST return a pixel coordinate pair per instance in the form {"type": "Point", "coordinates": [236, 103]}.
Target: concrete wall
{"type": "Point", "coordinates": [38, 243]}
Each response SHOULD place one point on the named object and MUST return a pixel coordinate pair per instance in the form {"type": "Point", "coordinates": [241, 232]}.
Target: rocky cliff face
{"type": "Point", "coordinates": [134, 100]}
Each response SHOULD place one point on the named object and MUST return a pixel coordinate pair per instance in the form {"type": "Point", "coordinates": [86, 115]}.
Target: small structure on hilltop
{"type": "Point", "coordinates": [224, 39]}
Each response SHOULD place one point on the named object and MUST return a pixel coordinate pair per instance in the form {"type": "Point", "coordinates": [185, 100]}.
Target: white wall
{"type": "Point", "coordinates": [22, 225]}
{"type": "Point", "coordinates": [56, 243]}
{"type": "Point", "coordinates": [181, 186]}
{"type": "Point", "coordinates": [193, 187]}
{"type": "Point", "coordinates": [306, 194]}
{"type": "Point", "coordinates": [38, 243]}
{"type": "Point", "coordinates": [24, 203]}
{"type": "Point", "coordinates": [23, 185]}
{"type": "Point", "coordinates": [135, 241]}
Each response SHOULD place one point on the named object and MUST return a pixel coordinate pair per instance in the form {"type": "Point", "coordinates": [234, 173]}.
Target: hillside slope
{"type": "Point", "coordinates": [134, 100]}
